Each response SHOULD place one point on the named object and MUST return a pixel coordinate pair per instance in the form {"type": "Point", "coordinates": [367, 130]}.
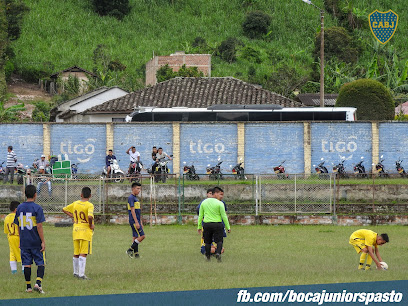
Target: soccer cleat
{"type": "Point", "coordinates": [218, 256]}
{"type": "Point", "coordinates": [84, 277]}
{"type": "Point", "coordinates": [38, 289]}
{"type": "Point", "coordinates": [76, 275]}
{"type": "Point", "coordinates": [137, 255]}
{"type": "Point", "coordinates": [29, 290]}
{"type": "Point", "coordinates": [208, 258]}
{"type": "Point", "coordinates": [130, 253]}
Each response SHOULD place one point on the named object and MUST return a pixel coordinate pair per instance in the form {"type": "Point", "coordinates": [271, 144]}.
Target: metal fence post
{"type": "Point", "coordinates": [179, 199]}
{"type": "Point", "coordinates": [256, 195]}
{"type": "Point", "coordinates": [295, 195]}
{"type": "Point", "coordinates": [334, 199]}
{"type": "Point", "coordinates": [66, 190]}
{"type": "Point", "coordinates": [101, 202]}
{"type": "Point", "coordinates": [260, 193]}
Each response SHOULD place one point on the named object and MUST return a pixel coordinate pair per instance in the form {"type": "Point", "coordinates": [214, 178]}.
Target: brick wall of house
{"type": "Point", "coordinates": [176, 61]}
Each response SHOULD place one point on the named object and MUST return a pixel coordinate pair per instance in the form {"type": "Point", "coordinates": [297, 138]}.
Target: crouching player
{"type": "Point", "coordinates": [213, 247]}
{"type": "Point", "coordinates": [364, 241]}
{"type": "Point", "coordinates": [11, 230]}
{"type": "Point", "coordinates": [135, 223]}
{"type": "Point", "coordinates": [29, 218]}
{"type": "Point", "coordinates": [82, 213]}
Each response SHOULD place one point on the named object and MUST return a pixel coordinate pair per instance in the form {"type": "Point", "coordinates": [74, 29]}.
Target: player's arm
{"type": "Point", "coordinates": [67, 212]}
{"type": "Point", "coordinates": [41, 234]}
{"type": "Point", "coordinates": [127, 151]}
{"type": "Point", "coordinates": [132, 211]}
{"type": "Point", "coordinates": [225, 217]}
{"type": "Point", "coordinates": [377, 253]}
{"type": "Point", "coordinates": [371, 253]}
{"type": "Point", "coordinates": [200, 219]}
{"type": "Point", "coordinates": [90, 221]}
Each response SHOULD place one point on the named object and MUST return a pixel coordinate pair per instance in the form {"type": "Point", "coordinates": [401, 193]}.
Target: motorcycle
{"type": "Point", "coordinates": [239, 171]}
{"type": "Point", "coordinates": [321, 169]}
{"type": "Point", "coordinates": [400, 168]}
{"type": "Point", "coordinates": [161, 172]}
{"type": "Point", "coordinates": [380, 168]}
{"type": "Point", "coordinates": [214, 173]}
{"type": "Point", "coordinates": [116, 174]}
{"type": "Point", "coordinates": [359, 169]}
{"type": "Point", "coordinates": [74, 171]}
{"type": "Point", "coordinates": [2, 170]}
{"type": "Point", "coordinates": [340, 170]}
{"type": "Point", "coordinates": [190, 173]}
{"type": "Point", "coordinates": [134, 171]}
{"type": "Point", "coordinates": [280, 171]}
{"type": "Point", "coordinates": [21, 172]}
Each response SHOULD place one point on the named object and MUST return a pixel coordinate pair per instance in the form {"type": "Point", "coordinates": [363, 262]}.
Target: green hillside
{"type": "Point", "coordinates": [60, 34]}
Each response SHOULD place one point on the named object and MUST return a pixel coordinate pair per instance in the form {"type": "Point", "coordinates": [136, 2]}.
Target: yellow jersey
{"type": "Point", "coordinates": [10, 228]}
{"type": "Point", "coordinates": [81, 211]}
{"type": "Point", "coordinates": [369, 238]}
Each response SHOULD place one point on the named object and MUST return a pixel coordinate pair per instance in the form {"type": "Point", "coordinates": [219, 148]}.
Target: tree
{"type": "Point", "coordinates": [227, 50]}
{"type": "Point", "coordinates": [115, 8]}
{"type": "Point", "coordinates": [256, 24]}
{"type": "Point", "coordinates": [41, 111]}
{"type": "Point", "coordinates": [10, 113]}
{"type": "Point", "coordinates": [166, 73]}
{"type": "Point", "coordinates": [3, 44]}
{"type": "Point", "coordinates": [371, 98]}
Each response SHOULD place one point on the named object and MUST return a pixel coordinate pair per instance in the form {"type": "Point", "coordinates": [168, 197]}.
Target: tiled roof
{"type": "Point", "coordinates": [313, 99]}
{"type": "Point", "coordinates": [194, 92]}
{"type": "Point", "coordinates": [73, 69]}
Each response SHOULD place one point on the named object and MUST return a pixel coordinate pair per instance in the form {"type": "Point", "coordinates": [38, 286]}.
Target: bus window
{"type": "Point", "coordinates": [320, 116]}
{"type": "Point", "coordinates": [297, 116]}
{"type": "Point", "coordinates": [232, 116]}
{"type": "Point", "coordinates": [167, 116]}
{"type": "Point", "coordinates": [264, 116]}
{"type": "Point", "coordinates": [202, 116]}
{"type": "Point", "coordinates": [143, 117]}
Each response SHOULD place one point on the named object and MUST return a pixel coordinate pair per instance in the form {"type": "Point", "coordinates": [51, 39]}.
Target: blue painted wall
{"type": "Point", "coordinates": [84, 144]}
{"type": "Point", "coordinates": [332, 141]}
{"type": "Point", "coordinates": [268, 144]}
{"type": "Point", "coordinates": [393, 144]}
{"type": "Point", "coordinates": [26, 139]}
{"type": "Point", "coordinates": [143, 137]}
{"type": "Point", "coordinates": [203, 144]}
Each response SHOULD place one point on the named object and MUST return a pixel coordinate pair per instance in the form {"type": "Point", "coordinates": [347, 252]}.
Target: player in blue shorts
{"type": "Point", "coordinates": [29, 218]}
{"type": "Point", "coordinates": [135, 220]}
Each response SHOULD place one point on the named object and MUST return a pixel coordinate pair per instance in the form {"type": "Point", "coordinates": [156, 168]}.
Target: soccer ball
{"type": "Point", "coordinates": [384, 265]}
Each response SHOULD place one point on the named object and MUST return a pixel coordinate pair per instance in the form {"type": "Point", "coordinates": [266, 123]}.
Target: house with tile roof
{"type": "Point", "coordinates": [188, 92]}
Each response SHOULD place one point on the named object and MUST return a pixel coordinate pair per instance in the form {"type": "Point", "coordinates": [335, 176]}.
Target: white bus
{"type": "Point", "coordinates": [222, 113]}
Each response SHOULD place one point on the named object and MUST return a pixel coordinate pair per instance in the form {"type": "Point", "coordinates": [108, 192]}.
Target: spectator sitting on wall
{"type": "Point", "coordinates": [43, 180]}
{"type": "Point", "coordinates": [42, 162]}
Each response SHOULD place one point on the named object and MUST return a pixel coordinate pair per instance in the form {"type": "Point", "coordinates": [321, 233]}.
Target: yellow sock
{"type": "Point", "coordinates": [368, 264]}
{"type": "Point", "coordinates": [362, 260]}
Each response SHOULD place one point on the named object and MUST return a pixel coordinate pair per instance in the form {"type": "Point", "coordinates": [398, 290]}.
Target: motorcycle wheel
{"type": "Point", "coordinates": [163, 177]}
{"type": "Point", "coordinates": [119, 178]}
{"type": "Point", "coordinates": [196, 177]}
{"type": "Point", "coordinates": [156, 177]}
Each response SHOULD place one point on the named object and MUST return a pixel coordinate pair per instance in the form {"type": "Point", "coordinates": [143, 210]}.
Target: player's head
{"type": "Point", "coordinates": [133, 149]}
{"type": "Point", "coordinates": [218, 193]}
{"type": "Point", "coordinates": [110, 152]}
{"type": "Point", "coordinates": [136, 188]}
{"type": "Point", "coordinates": [30, 191]}
{"type": "Point", "coordinates": [86, 193]}
{"type": "Point", "coordinates": [13, 205]}
{"type": "Point", "coordinates": [381, 239]}
{"type": "Point", "coordinates": [210, 192]}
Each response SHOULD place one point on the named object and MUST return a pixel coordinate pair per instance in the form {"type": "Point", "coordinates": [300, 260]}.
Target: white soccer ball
{"type": "Point", "coordinates": [384, 265]}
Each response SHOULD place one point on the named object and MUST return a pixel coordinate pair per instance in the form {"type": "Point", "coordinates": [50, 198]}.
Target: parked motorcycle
{"type": "Point", "coordinates": [214, 173]}
{"type": "Point", "coordinates": [321, 169]}
{"type": "Point", "coordinates": [340, 170]}
{"type": "Point", "coordinates": [190, 173]}
{"type": "Point", "coordinates": [2, 170]}
{"type": "Point", "coordinates": [134, 171]}
{"type": "Point", "coordinates": [379, 167]}
{"type": "Point", "coordinates": [161, 172]}
{"type": "Point", "coordinates": [400, 168]}
{"type": "Point", "coordinates": [359, 169]}
{"type": "Point", "coordinates": [239, 171]}
{"type": "Point", "coordinates": [116, 174]}
{"type": "Point", "coordinates": [280, 171]}
{"type": "Point", "coordinates": [74, 171]}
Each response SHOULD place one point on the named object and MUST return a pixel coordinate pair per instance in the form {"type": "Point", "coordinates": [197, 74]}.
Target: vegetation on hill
{"type": "Point", "coordinates": [57, 35]}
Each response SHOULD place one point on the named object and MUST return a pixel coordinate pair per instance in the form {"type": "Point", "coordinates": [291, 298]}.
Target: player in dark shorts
{"type": "Point", "coordinates": [135, 221]}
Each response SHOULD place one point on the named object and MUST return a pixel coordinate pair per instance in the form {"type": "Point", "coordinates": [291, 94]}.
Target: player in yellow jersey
{"type": "Point", "coordinates": [82, 213]}
{"type": "Point", "coordinates": [13, 237]}
{"type": "Point", "coordinates": [364, 241]}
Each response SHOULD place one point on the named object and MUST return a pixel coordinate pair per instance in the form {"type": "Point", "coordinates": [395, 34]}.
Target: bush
{"type": "Point", "coordinates": [8, 70]}
{"type": "Point", "coordinates": [115, 8]}
{"type": "Point", "coordinates": [227, 50]}
{"type": "Point", "coordinates": [256, 24]}
{"type": "Point", "coordinates": [41, 112]}
{"type": "Point", "coordinates": [371, 98]}
{"type": "Point", "coordinates": [251, 55]}
{"type": "Point", "coordinates": [337, 43]}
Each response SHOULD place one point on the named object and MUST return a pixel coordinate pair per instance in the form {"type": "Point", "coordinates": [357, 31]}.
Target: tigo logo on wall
{"type": "Point", "coordinates": [383, 25]}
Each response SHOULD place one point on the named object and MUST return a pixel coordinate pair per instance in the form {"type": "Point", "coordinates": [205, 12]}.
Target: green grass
{"type": "Point", "coordinates": [57, 35]}
{"type": "Point", "coordinates": [170, 260]}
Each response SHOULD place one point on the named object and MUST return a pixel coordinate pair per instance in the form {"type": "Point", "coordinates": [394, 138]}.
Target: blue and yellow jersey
{"type": "Point", "coordinates": [10, 228]}
{"type": "Point", "coordinates": [28, 215]}
{"type": "Point", "coordinates": [368, 237]}
{"type": "Point", "coordinates": [81, 211]}
{"type": "Point", "coordinates": [133, 201]}
{"type": "Point", "coordinates": [202, 249]}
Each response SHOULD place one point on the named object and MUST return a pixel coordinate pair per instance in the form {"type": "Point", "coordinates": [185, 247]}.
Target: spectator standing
{"type": "Point", "coordinates": [11, 163]}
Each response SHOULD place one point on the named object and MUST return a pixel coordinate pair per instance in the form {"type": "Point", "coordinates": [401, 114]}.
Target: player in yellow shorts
{"type": "Point", "coordinates": [13, 237]}
{"type": "Point", "coordinates": [364, 241]}
{"type": "Point", "coordinates": [82, 213]}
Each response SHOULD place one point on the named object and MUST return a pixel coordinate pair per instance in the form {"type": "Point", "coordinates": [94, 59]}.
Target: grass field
{"type": "Point", "coordinates": [170, 260]}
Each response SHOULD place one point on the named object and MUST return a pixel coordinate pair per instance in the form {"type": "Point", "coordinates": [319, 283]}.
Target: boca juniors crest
{"type": "Point", "coordinates": [383, 25]}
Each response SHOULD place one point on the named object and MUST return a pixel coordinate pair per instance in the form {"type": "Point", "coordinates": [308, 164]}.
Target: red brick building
{"type": "Point", "coordinates": [175, 61]}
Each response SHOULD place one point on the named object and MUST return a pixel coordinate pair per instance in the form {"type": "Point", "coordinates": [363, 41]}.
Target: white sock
{"type": "Point", "coordinates": [75, 263]}
{"type": "Point", "coordinates": [82, 264]}
{"type": "Point", "coordinates": [13, 266]}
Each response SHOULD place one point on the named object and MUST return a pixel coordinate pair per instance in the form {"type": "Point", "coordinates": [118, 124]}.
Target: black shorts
{"type": "Point", "coordinates": [213, 231]}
